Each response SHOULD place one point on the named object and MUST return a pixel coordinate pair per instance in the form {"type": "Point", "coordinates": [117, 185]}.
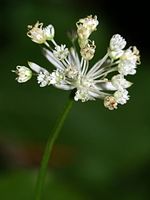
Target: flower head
{"type": "Point", "coordinates": [88, 24]}
{"type": "Point", "coordinates": [38, 34]}
{"type": "Point", "coordinates": [110, 102]}
{"type": "Point", "coordinates": [128, 61]}
{"type": "Point", "coordinates": [24, 73]}
{"type": "Point", "coordinates": [116, 46]}
{"type": "Point", "coordinates": [132, 54]}
{"type": "Point", "coordinates": [126, 67]}
{"type": "Point", "coordinates": [121, 96]}
{"type": "Point", "coordinates": [87, 52]}
{"type": "Point", "coordinates": [72, 71]}
{"type": "Point", "coordinates": [117, 42]}
{"type": "Point", "coordinates": [61, 52]}
{"type": "Point", "coordinates": [43, 79]}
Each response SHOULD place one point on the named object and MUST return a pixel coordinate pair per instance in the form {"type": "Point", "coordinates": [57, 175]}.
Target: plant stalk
{"type": "Point", "coordinates": [48, 149]}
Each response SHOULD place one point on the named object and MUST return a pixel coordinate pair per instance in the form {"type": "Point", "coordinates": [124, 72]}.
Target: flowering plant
{"type": "Point", "coordinates": [72, 71]}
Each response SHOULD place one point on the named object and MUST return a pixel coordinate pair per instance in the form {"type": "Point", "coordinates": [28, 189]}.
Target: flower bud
{"type": "Point", "coordinates": [49, 32]}
{"type": "Point", "coordinates": [117, 42]}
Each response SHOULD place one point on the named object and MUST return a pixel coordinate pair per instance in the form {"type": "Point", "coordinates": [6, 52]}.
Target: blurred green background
{"type": "Point", "coordinates": [99, 154]}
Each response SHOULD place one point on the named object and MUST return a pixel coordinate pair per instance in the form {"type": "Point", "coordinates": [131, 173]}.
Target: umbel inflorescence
{"type": "Point", "coordinates": [72, 70]}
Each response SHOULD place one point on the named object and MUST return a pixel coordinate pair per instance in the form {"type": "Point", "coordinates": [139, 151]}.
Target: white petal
{"type": "Point", "coordinates": [119, 82]}
{"type": "Point", "coordinates": [73, 57]}
{"type": "Point", "coordinates": [64, 87]}
{"type": "Point", "coordinates": [52, 59]}
{"type": "Point", "coordinates": [106, 86]}
{"type": "Point", "coordinates": [97, 66]}
{"type": "Point", "coordinates": [37, 68]}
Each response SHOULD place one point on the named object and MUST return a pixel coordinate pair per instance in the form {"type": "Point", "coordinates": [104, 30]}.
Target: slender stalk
{"type": "Point", "coordinates": [48, 149]}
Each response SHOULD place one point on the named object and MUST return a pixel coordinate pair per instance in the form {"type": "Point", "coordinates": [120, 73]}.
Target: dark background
{"type": "Point", "coordinates": [99, 154]}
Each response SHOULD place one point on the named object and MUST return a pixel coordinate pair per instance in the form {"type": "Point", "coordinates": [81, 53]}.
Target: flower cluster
{"type": "Point", "coordinates": [72, 71]}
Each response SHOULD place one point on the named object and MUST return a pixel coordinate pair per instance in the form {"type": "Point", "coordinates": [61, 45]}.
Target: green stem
{"type": "Point", "coordinates": [48, 149]}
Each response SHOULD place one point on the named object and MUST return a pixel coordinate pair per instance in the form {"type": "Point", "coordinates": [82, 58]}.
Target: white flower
{"type": "Point", "coordinates": [89, 22]}
{"type": "Point", "coordinates": [38, 34]}
{"type": "Point", "coordinates": [128, 61]}
{"type": "Point", "coordinates": [117, 42]}
{"type": "Point", "coordinates": [73, 71]}
{"type": "Point", "coordinates": [87, 52]}
{"type": "Point", "coordinates": [121, 96]}
{"type": "Point", "coordinates": [90, 83]}
{"type": "Point", "coordinates": [77, 75]}
{"type": "Point", "coordinates": [110, 102]}
{"type": "Point", "coordinates": [83, 34]}
{"type": "Point", "coordinates": [131, 54]}
{"type": "Point", "coordinates": [86, 26]}
{"type": "Point", "coordinates": [24, 73]}
{"type": "Point", "coordinates": [82, 95]}
{"type": "Point", "coordinates": [57, 77]}
{"type": "Point", "coordinates": [126, 67]}
{"type": "Point", "coordinates": [43, 76]}
{"type": "Point", "coordinates": [43, 79]}
{"type": "Point", "coordinates": [61, 52]}
{"type": "Point", "coordinates": [119, 82]}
